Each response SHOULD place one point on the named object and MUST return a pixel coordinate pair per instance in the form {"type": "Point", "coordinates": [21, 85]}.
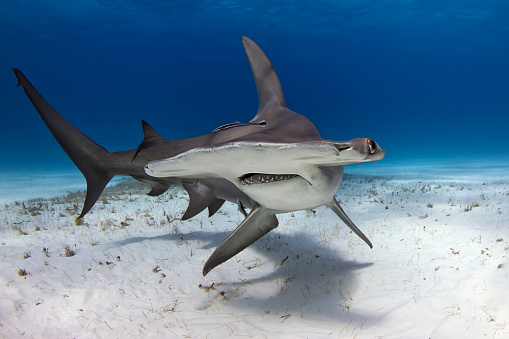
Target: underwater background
{"type": "Point", "coordinates": [427, 80]}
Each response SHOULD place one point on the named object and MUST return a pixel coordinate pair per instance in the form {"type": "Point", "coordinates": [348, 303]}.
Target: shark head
{"type": "Point", "coordinates": [282, 176]}
{"type": "Point", "coordinates": [314, 169]}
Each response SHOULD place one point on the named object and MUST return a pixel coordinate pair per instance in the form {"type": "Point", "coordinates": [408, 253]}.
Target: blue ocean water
{"type": "Point", "coordinates": [427, 80]}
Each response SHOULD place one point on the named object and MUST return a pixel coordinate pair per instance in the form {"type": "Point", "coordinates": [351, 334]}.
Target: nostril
{"type": "Point", "coordinates": [372, 146]}
{"type": "Point", "coordinates": [342, 147]}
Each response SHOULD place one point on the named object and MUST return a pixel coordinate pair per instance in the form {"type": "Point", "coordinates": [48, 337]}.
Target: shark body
{"type": "Point", "coordinates": [275, 163]}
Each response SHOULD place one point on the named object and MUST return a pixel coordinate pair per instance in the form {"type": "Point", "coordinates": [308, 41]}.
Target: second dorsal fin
{"type": "Point", "coordinates": [150, 137]}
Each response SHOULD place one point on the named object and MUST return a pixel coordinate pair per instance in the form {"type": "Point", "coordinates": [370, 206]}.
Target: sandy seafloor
{"type": "Point", "coordinates": [438, 269]}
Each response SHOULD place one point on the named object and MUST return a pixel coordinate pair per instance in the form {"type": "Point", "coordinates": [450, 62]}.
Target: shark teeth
{"type": "Point", "coordinates": [255, 178]}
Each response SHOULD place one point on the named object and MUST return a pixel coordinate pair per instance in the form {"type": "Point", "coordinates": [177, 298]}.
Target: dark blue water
{"type": "Point", "coordinates": [427, 80]}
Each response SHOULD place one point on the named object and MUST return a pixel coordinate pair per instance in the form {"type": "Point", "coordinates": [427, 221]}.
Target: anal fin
{"type": "Point", "coordinates": [259, 222]}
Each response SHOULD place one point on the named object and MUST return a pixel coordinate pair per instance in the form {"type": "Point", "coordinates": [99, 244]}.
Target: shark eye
{"type": "Point", "coordinates": [372, 146]}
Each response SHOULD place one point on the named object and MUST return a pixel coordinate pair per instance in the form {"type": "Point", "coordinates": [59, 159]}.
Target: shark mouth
{"type": "Point", "coordinates": [257, 178]}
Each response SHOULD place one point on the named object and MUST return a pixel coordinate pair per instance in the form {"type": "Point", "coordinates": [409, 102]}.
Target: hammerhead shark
{"type": "Point", "coordinates": [275, 163]}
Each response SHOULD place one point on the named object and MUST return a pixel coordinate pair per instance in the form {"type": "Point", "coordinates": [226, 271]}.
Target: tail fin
{"type": "Point", "coordinates": [90, 158]}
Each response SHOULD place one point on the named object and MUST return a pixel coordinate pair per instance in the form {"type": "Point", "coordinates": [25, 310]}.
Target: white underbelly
{"type": "Point", "coordinates": [297, 193]}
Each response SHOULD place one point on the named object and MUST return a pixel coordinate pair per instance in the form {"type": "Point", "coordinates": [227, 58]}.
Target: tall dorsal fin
{"type": "Point", "coordinates": [150, 137]}
{"type": "Point", "coordinates": [268, 87]}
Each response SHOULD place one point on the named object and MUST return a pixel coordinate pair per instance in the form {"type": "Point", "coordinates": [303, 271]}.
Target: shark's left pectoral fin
{"type": "Point", "coordinates": [336, 208]}
{"type": "Point", "coordinates": [258, 223]}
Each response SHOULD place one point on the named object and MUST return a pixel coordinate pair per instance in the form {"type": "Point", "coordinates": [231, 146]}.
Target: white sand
{"type": "Point", "coordinates": [439, 266]}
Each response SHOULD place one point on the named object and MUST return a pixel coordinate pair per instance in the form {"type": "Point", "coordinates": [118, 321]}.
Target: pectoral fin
{"type": "Point", "coordinates": [336, 208]}
{"type": "Point", "coordinates": [258, 223]}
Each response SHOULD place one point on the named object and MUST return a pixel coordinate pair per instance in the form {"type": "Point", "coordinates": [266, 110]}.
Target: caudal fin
{"type": "Point", "coordinates": [91, 159]}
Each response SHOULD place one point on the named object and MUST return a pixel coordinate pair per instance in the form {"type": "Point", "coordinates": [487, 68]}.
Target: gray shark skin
{"type": "Point", "coordinates": [275, 163]}
{"type": "Point", "coordinates": [285, 166]}
{"type": "Point", "coordinates": [99, 166]}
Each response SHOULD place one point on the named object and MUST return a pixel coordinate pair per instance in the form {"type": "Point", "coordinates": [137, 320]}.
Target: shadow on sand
{"type": "Point", "coordinates": [308, 278]}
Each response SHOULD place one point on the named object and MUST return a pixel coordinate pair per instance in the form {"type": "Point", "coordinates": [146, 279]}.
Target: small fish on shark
{"type": "Point", "coordinates": [275, 163]}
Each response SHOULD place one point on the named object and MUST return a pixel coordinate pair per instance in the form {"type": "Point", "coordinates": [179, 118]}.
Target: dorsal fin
{"type": "Point", "coordinates": [150, 137]}
{"type": "Point", "coordinates": [268, 87]}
